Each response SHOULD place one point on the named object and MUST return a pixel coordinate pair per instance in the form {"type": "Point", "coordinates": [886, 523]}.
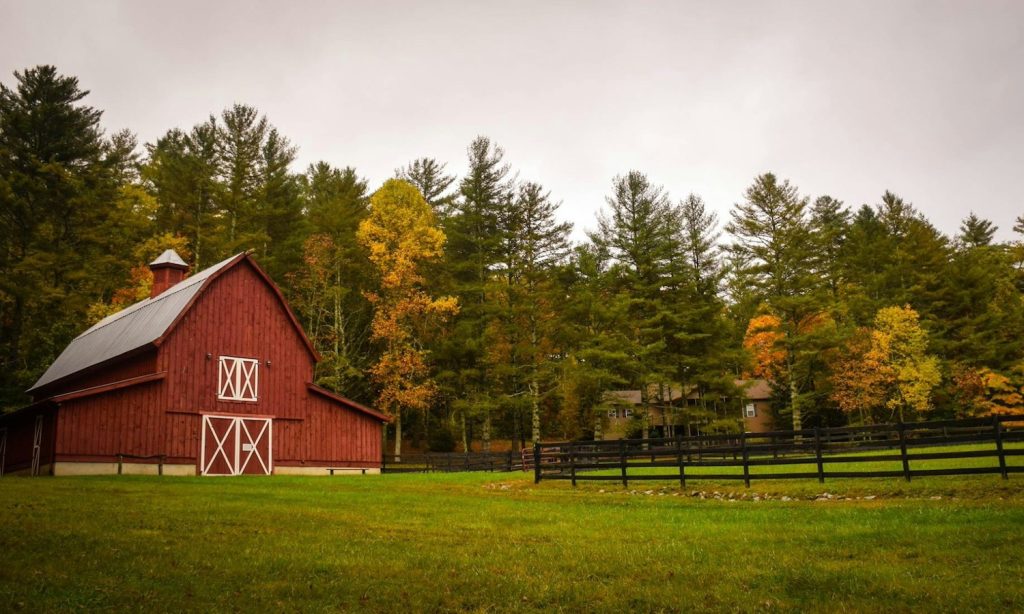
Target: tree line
{"type": "Point", "coordinates": [460, 304]}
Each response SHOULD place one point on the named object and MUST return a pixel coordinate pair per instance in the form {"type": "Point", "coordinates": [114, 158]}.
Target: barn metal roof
{"type": "Point", "coordinates": [128, 329]}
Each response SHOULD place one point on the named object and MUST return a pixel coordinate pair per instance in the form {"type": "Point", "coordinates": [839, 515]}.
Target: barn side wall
{"type": "Point", "coordinates": [240, 316]}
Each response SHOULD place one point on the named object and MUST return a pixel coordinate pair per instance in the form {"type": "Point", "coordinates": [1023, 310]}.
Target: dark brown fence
{"type": "Point", "coordinates": [808, 452]}
{"type": "Point", "coordinates": [430, 462]}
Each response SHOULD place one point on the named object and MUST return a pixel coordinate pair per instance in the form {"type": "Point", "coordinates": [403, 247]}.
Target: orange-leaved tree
{"type": "Point", "coordinates": [401, 234]}
{"type": "Point", "coordinates": [764, 340]}
{"type": "Point", "coordinates": [860, 376]}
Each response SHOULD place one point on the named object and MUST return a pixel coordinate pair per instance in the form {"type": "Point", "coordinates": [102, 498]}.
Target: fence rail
{"type": "Point", "coordinates": [450, 462]}
{"type": "Point", "coordinates": [810, 451]}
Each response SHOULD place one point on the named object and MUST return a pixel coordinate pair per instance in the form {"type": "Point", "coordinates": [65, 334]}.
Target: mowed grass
{"type": "Point", "coordinates": [497, 542]}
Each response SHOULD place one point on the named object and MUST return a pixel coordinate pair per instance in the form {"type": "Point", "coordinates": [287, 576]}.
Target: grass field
{"type": "Point", "coordinates": [497, 542]}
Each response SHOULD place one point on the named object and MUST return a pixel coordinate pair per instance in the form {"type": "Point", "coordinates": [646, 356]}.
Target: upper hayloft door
{"type": "Point", "coordinates": [236, 445]}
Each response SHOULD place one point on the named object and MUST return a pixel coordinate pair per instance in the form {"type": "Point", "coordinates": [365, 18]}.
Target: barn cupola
{"type": "Point", "coordinates": [168, 269]}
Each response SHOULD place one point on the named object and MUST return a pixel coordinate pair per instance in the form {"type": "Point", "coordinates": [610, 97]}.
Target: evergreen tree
{"type": "Point", "coordinates": [534, 244]}
{"type": "Point", "coordinates": [639, 233]}
{"type": "Point", "coordinates": [704, 361]}
{"type": "Point", "coordinates": [977, 232]}
{"type": "Point", "coordinates": [772, 234]}
{"type": "Point", "coordinates": [430, 178]}
{"type": "Point", "coordinates": [331, 285]}
{"type": "Point", "coordinates": [474, 251]}
{"type": "Point", "coordinates": [829, 224]}
{"type": "Point", "coordinates": [58, 178]}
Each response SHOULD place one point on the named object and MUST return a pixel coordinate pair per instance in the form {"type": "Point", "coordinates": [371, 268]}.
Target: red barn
{"type": "Point", "coordinates": [211, 375]}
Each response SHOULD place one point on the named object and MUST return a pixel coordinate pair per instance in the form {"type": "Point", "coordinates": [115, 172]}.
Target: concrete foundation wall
{"type": "Point", "coordinates": [69, 468]}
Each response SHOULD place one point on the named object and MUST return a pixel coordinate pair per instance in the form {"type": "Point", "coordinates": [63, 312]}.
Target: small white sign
{"type": "Point", "coordinates": [247, 447]}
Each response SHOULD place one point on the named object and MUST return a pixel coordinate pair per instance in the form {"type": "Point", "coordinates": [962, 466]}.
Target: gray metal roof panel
{"type": "Point", "coordinates": [127, 330]}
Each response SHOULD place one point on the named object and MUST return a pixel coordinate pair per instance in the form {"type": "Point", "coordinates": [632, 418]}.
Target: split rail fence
{"type": "Point", "coordinates": [808, 453]}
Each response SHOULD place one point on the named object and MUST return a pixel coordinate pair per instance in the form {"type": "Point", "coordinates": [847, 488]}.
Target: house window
{"type": "Point", "coordinates": [613, 413]}
{"type": "Point", "coordinates": [238, 379]}
{"type": "Point", "coordinates": [750, 411]}
{"type": "Point", "coordinates": [627, 412]}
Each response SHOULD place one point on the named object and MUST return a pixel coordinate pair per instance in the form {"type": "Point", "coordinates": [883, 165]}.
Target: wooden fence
{"type": "Point", "coordinates": [449, 462]}
{"type": "Point", "coordinates": [809, 453]}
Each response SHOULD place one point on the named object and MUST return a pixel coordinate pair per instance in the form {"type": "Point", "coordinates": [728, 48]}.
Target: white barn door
{"type": "Point", "coordinates": [236, 445]}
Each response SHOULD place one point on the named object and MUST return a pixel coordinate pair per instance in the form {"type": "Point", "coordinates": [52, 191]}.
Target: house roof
{"type": "Point", "coordinates": [633, 397]}
{"type": "Point", "coordinates": [753, 389]}
{"type": "Point", "coordinates": [145, 323]}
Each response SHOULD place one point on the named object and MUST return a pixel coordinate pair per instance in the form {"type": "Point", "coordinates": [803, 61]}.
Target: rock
{"type": "Point", "coordinates": [602, 490]}
{"type": "Point", "coordinates": [785, 498]}
{"type": "Point", "coordinates": [936, 497]}
{"type": "Point", "coordinates": [869, 498]}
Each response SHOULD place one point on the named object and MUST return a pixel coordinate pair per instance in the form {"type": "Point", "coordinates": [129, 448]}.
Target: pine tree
{"type": "Point", "coordinates": [58, 179]}
{"type": "Point", "coordinates": [773, 237]}
{"type": "Point", "coordinates": [639, 233]}
{"type": "Point", "coordinates": [430, 178]}
{"type": "Point", "coordinates": [474, 250]}
{"type": "Point", "coordinates": [829, 224]}
{"type": "Point", "coordinates": [700, 347]}
{"type": "Point", "coordinates": [535, 243]}
{"type": "Point", "coordinates": [977, 232]}
{"type": "Point", "coordinates": [330, 287]}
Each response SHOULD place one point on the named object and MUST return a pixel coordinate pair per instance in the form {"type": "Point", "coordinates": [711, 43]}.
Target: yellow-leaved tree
{"type": "Point", "coordinates": [401, 234]}
{"type": "Point", "coordinates": [902, 347]}
{"type": "Point", "coordinates": [887, 367]}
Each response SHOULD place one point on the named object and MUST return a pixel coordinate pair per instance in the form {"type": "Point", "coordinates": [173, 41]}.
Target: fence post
{"type": "Point", "coordinates": [536, 462]}
{"type": "Point", "coordinates": [817, 455]}
{"type": "Point", "coordinates": [746, 465]}
{"type": "Point", "coordinates": [120, 461]}
{"type": "Point", "coordinates": [510, 460]}
{"type": "Point", "coordinates": [999, 446]}
{"type": "Point", "coordinates": [903, 449]}
{"type": "Point", "coordinates": [160, 467]}
{"type": "Point", "coordinates": [572, 462]}
{"type": "Point", "coordinates": [383, 460]}
{"type": "Point", "coordinates": [679, 459]}
{"type": "Point", "coordinates": [622, 461]}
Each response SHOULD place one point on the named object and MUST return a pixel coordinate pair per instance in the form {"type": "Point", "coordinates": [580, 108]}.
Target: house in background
{"type": "Point", "coordinates": [668, 407]}
{"type": "Point", "coordinates": [211, 375]}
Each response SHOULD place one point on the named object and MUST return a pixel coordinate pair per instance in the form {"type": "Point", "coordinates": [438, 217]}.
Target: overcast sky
{"type": "Point", "coordinates": [843, 98]}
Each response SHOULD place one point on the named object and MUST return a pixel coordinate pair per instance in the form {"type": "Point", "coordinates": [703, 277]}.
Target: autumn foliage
{"type": "Point", "coordinates": [400, 235]}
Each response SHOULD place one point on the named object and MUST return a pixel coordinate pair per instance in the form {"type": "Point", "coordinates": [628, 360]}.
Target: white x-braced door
{"type": "Point", "coordinates": [236, 445]}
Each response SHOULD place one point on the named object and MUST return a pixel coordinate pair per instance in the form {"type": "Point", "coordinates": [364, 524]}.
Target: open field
{"type": "Point", "coordinates": [495, 542]}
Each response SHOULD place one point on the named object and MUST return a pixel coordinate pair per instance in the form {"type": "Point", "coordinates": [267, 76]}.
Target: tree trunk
{"type": "Point", "coordinates": [535, 409]}
{"type": "Point", "coordinates": [486, 437]}
{"type": "Point", "coordinates": [465, 437]}
{"type": "Point", "coordinates": [797, 418]}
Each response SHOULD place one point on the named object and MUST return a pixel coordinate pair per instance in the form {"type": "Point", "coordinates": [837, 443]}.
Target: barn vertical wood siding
{"type": "Point", "coordinates": [238, 315]}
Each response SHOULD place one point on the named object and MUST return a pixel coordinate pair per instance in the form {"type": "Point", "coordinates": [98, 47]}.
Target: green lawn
{"type": "Point", "coordinates": [496, 542]}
